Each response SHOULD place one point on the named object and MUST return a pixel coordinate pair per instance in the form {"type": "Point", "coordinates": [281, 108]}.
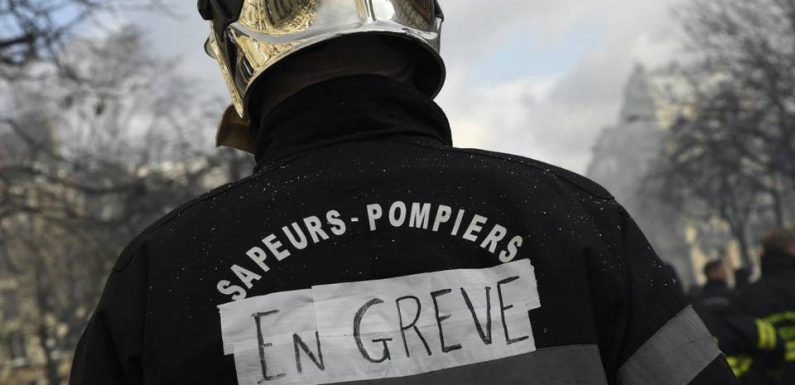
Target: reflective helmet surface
{"type": "Point", "coordinates": [250, 36]}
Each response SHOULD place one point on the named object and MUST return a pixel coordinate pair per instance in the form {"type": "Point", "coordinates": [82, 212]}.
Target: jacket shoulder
{"type": "Point", "coordinates": [132, 248]}
{"type": "Point", "coordinates": [571, 178]}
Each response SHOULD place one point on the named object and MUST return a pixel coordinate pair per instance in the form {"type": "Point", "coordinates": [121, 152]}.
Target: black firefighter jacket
{"type": "Point", "coordinates": [750, 344]}
{"type": "Point", "coordinates": [772, 299]}
{"type": "Point", "coordinates": [365, 249]}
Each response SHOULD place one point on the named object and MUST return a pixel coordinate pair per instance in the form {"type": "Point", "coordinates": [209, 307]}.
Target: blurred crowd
{"type": "Point", "coordinates": [754, 322]}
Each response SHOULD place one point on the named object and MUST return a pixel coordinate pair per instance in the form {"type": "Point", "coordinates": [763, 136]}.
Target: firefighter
{"type": "Point", "coordinates": [772, 300]}
{"type": "Point", "coordinates": [366, 248]}
{"type": "Point", "coordinates": [747, 342]}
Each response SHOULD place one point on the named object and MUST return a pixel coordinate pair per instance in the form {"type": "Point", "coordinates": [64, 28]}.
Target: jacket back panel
{"type": "Point", "coordinates": [377, 209]}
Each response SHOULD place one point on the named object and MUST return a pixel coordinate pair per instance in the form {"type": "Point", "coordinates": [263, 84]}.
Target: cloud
{"type": "Point", "coordinates": [553, 116]}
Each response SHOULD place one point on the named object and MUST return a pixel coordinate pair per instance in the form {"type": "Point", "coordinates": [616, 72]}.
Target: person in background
{"type": "Point", "coordinates": [716, 290]}
{"type": "Point", "coordinates": [742, 278]}
{"type": "Point", "coordinates": [772, 299]}
{"type": "Point", "coordinates": [747, 342]}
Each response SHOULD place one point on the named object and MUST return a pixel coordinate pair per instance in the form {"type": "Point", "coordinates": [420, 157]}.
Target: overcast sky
{"type": "Point", "coordinates": [538, 78]}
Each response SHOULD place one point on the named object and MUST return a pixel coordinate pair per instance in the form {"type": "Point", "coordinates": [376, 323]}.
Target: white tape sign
{"type": "Point", "coordinates": [385, 328]}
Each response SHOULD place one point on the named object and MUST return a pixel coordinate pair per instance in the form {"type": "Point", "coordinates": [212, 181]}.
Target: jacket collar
{"type": "Point", "coordinates": [348, 109]}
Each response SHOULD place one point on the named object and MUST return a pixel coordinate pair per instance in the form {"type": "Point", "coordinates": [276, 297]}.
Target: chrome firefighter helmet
{"type": "Point", "coordinates": [250, 36]}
